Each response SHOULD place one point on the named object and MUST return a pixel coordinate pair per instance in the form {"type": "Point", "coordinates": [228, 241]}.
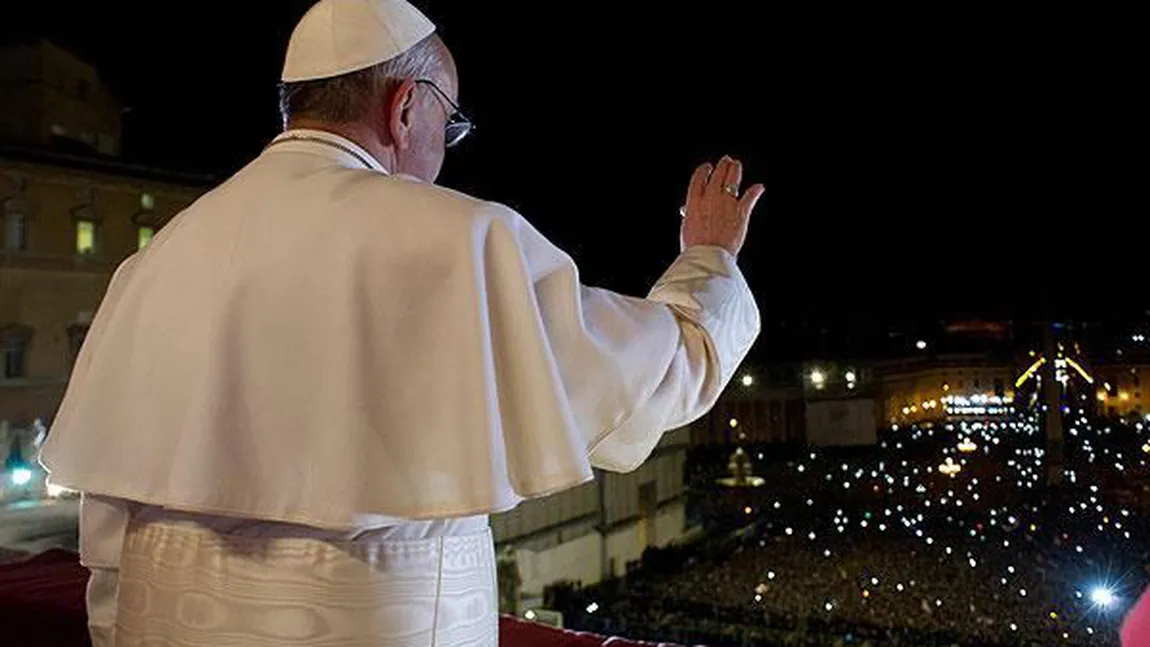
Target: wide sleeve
{"type": "Point", "coordinates": [633, 368]}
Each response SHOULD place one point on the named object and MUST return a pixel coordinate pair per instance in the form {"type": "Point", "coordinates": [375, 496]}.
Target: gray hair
{"type": "Point", "coordinates": [346, 98]}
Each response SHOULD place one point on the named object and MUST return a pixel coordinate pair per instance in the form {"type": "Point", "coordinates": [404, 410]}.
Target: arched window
{"type": "Point", "coordinates": [15, 214]}
{"type": "Point", "coordinates": [14, 341]}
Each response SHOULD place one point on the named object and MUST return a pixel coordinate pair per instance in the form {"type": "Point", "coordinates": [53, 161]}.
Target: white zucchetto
{"type": "Point", "coordinates": [337, 37]}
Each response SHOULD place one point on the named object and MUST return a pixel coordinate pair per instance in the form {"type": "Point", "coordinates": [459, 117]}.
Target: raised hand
{"type": "Point", "coordinates": [717, 212]}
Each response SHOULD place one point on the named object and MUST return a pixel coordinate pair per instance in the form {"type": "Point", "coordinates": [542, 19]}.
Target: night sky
{"type": "Point", "coordinates": [918, 165]}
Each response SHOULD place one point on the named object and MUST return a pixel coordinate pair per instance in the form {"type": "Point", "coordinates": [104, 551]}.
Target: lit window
{"type": "Point", "coordinates": [16, 231]}
{"type": "Point", "coordinates": [147, 201]}
{"type": "Point", "coordinates": [144, 236]}
{"type": "Point", "coordinates": [85, 237]}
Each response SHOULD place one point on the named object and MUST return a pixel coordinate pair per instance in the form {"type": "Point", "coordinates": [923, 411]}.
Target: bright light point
{"type": "Point", "coordinates": [747, 510]}
{"type": "Point", "coordinates": [789, 532]}
{"type": "Point", "coordinates": [920, 344]}
{"type": "Point", "coordinates": [530, 615]}
{"type": "Point", "coordinates": [748, 380]}
{"type": "Point", "coordinates": [770, 575]}
{"type": "Point", "coordinates": [593, 607]}
{"type": "Point", "coordinates": [758, 598]}
{"type": "Point", "coordinates": [21, 476]}
{"type": "Point", "coordinates": [850, 376]}
{"type": "Point", "coordinates": [734, 423]}
{"type": "Point", "coordinates": [828, 606]}
{"type": "Point", "coordinates": [1013, 627]}
{"type": "Point", "coordinates": [1022, 592]}
{"type": "Point", "coordinates": [1102, 596]}
{"type": "Point", "coordinates": [818, 378]}
{"type": "Point", "coordinates": [899, 586]}
{"type": "Point", "coordinates": [57, 491]}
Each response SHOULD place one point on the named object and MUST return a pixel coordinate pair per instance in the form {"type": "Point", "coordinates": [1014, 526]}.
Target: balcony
{"type": "Point", "coordinates": [42, 603]}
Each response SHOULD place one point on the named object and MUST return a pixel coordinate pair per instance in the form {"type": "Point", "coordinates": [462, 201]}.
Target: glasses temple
{"type": "Point", "coordinates": [441, 93]}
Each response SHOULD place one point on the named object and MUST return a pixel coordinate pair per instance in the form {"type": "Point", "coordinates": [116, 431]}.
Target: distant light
{"type": "Point", "coordinates": [593, 607]}
{"type": "Point", "coordinates": [747, 510]}
{"type": "Point", "coordinates": [55, 491]}
{"type": "Point", "coordinates": [1022, 592]}
{"type": "Point", "coordinates": [829, 606]}
{"type": "Point", "coordinates": [21, 476]}
{"type": "Point", "coordinates": [850, 376]}
{"type": "Point", "coordinates": [789, 531]}
{"type": "Point", "coordinates": [920, 344]}
{"type": "Point", "coordinates": [748, 380]}
{"type": "Point", "coordinates": [1102, 596]}
{"type": "Point", "coordinates": [818, 378]}
{"type": "Point", "coordinates": [530, 615]}
{"type": "Point", "coordinates": [770, 575]}
{"type": "Point", "coordinates": [734, 422]}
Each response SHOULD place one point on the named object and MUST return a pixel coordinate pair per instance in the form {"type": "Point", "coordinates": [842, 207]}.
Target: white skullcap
{"type": "Point", "coordinates": [340, 36]}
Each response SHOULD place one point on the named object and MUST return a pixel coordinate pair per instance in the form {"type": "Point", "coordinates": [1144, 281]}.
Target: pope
{"type": "Point", "coordinates": [296, 408]}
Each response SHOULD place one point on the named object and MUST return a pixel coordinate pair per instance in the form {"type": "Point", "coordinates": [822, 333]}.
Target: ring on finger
{"type": "Point", "coordinates": [731, 189]}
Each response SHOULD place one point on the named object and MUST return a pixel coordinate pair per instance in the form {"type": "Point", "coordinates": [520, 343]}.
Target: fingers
{"type": "Point", "coordinates": [729, 173]}
{"type": "Point", "coordinates": [751, 198]}
{"type": "Point", "coordinates": [698, 183]}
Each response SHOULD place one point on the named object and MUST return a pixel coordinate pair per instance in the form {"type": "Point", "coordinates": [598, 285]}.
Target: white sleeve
{"type": "Point", "coordinates": [717, 322]}
{"type": "Point", "coordinates": [634, 368]}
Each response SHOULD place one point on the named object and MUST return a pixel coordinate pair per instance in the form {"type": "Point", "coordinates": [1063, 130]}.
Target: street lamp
{"type": "Point", "coordinates": [818, 378]}
{"type": "Point", "coordinates": [748, 380]}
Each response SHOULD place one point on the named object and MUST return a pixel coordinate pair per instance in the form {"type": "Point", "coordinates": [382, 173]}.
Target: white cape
{"type": "Point", "coordinates": [315, 341]}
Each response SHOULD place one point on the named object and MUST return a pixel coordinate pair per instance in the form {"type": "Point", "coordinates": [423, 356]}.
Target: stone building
{"type": "Point", "coordinates": [72, 210]}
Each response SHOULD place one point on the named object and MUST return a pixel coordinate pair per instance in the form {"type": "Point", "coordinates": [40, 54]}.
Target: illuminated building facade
{"type": "Point", "coordinates": [942, 387]}
{"type": "Point", "coordinates": [761, 405]}
{"type": "Point", "coordinates": [71, 211]}
{"type": "Point", "coordinates": [1120, 390]}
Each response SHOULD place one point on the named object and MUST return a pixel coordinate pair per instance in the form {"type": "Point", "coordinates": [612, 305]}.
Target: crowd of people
{"type": "Point", "coordinates": [880, 547]}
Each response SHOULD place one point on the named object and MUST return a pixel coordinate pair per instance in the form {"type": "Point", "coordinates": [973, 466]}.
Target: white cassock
{"type": "Point", "coordinates": [297, 406]}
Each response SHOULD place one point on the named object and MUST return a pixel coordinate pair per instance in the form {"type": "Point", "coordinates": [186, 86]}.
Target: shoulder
{"type": "Point", "coordinates": [438, 210]}
{"type": "Point", "coordinates": [415, 198]}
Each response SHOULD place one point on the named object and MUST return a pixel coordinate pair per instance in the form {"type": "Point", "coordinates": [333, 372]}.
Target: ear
{"type": "Point", "coordinates": [400, 113]}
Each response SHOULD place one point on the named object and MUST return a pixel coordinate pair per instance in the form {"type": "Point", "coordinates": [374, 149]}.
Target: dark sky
{"type": "Point", "coordinates": [918, 165]}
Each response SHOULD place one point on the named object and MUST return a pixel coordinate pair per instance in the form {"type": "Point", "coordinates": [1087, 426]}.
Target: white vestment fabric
{"type": "Point", "coordinates": [185, 580]}
{"type": "Point", "coordinates": [307, 393]}
{"type": "Point", "coordinates": [320, 343]}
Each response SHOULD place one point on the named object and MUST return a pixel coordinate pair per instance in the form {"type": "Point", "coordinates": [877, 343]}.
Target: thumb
{"type": "Point", "coordinates": [751, 198]}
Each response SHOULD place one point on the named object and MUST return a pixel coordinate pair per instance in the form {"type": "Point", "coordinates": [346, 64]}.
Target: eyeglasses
{"type": "Point", "coordinates": [458, 125]}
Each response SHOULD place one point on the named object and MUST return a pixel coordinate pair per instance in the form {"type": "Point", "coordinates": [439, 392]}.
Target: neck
{"type": "Point", "coordinates": [362, 135]}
